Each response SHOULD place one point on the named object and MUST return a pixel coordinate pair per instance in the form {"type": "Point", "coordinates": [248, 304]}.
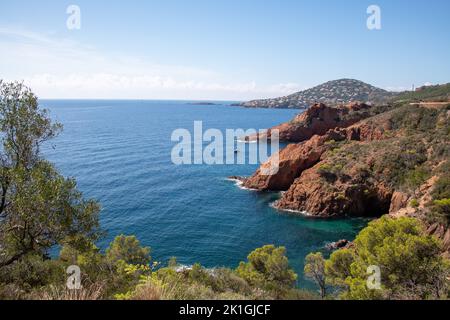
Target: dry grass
{"type": "Point", "coordinates": [155, 289]}
{"type": "Point", "coordinates": [94, 291]}
{"type": "Point", "coordinates": [147, 291]}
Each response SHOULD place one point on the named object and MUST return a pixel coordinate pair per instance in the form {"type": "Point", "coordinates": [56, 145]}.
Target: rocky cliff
{"type": "Point", "coordinates": [321, 128]}
{"type": "Point", "coordinates": [317, 120]}
{"type": "Point", "coordinates": [352, 161]}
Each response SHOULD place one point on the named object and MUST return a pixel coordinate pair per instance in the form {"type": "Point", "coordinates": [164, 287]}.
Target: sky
{"type": "Point", "coordinates": [219, 49]}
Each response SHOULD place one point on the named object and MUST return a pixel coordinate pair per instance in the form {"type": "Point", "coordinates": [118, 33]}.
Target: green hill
{"type": "Point", "coordinates": [331, 93]}
{"type": "Point", "coordinates": [436, 93]}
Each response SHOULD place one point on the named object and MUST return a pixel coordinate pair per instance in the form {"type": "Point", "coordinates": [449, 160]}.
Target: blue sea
{"type": "Point", "coordinates": [120, 154]}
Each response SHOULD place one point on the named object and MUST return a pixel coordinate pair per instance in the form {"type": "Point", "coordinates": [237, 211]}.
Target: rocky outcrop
{"type": "Point", "coordinates": [367, 131]}
{"type": "Point", "coordinates": [296, 158]}
{"type": "Point", "coordinates": [343, 243]}
{"type": "Point", "coordinates": [402, 206]}
{"type": "Point", "coordinates": [357, 161]}
{"type": "Point", "coordinates": [293, 160]}
{"type": "Point", "coordinates": [311, 195]}
{"type": "Point", "coordinates": [343, 182]}
{"type": "Point", "coordinates": [315, 188]}
{"type": "Point", "coordinates": [442, 233]}
{"type": "Point", "coordinates": [372, 167]}
{"type": "Point", "coordinates": [317, 120]}
{"type": "Point", "coordinates": [446, 241]}
{"type": "Point", "coordinates": [399, 201]}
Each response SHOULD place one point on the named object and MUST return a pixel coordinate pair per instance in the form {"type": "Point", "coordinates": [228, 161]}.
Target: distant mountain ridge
{"type": "Point", "coordinates": [331, 93]}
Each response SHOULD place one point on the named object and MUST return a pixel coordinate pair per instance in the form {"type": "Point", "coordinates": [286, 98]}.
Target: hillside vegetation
{"type": "Point", "coordinates": [331, 93]}
{"type": "Point", "coordinates": [393, 163]}
{"type": "Point", "coordinates": [438, 93]}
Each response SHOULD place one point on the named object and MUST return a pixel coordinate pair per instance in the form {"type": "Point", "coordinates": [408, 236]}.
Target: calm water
{"type": "Point", "coordinates": [119, 152]}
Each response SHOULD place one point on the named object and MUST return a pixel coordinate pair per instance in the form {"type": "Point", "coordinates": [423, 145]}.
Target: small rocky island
{"type": "Point", "coordinates": [202, 103]}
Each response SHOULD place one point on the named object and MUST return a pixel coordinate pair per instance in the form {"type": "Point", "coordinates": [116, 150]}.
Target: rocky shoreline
{"type": "Point", "coordinates": [360, 161]}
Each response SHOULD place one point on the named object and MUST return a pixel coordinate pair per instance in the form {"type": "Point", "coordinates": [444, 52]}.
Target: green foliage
{"type": "Point", "coordinates": [118, 271]}
{"type": "Point", "coordinates": [415, 119]}
{"type": "Point", "coordinates": [198, 283]}
{"type": "Point", "coordinates": [32, 271]}
{"type": "Point", "coordinates": [429, 93]}
{"type": "Point", "coordinates": [129, 250]}
{"type": "Point", "coordinates": [414, 203]}
{"type": "Point", "coordinates": [416, 177]}
{"type": "Point", "coordinates": [124, 281]}
{"type": "Point", "coordinates": [315, 270]}
{"type": "Point", "coordinates": [331, 172]}
{"type": "Point", "coordinates": [39, 208]}
{"type": "Point", "coordinates": [168, 284]}
{"type": "Point", "coordinates": [443, 205]}
{"type": "Point", "coordinates": [409, 260]}
{"type": "Point", "coordinates": [441, 211]}
{"type": "Point", "coordinates": [268, 267]}
{"type": "Point", "coordinates": [441, 189]}
{"type": "Point", "coordinates": [337, 267]}
{"type": "Point", "coordinates": [401, 163]}
{"type": "Point", "coordinates": [439, 207]}
{"type": "Point", "coordinates": [23, 124]}
{"type": "Point", "coordinates": [324, 169]}
{"type": "Point", "coordinates": [172, 262]}
{"type": "Point", "coordinates": [327, 168]}
{"type": "Point", "coordinates": [404, 159]}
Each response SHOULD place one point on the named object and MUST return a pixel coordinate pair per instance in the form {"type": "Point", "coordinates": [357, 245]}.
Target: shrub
{"type": "Point", "coordinates": [315, 270]}
{"type": "Point", "coordinates": [410, 262]}
{"type": "Point", "coordinates": [268, 267]}
{"type": "Point", "coordinates": [128, 249]}
{"type": "Point", "coordinates": [414, 203]}
{"type": "Point", "coordinates": [416, 177]}
{"type": "Point", "coordinates": [441, 211]}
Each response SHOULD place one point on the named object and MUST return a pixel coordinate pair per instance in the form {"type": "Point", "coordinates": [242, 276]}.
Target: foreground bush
{"type": "Point", "coordinates": [409, 261]}
{"type": "Point", "coordinates": [266, 275]}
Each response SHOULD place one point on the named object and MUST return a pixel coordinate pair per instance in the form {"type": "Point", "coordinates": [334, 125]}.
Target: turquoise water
{"type": "Point", "coordinates": [119, 152]}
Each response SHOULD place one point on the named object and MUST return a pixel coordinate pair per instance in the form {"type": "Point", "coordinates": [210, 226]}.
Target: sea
{"type": "Point", "coordinates": [120, 153]}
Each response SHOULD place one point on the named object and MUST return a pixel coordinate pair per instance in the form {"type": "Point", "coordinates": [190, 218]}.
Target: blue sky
{"type": "Point", "coordinates": [220, 49]}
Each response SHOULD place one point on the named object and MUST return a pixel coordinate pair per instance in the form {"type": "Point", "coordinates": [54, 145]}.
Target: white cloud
{"type": "Point", "coordinates": [63, 68]}
{"type": "Point", "coordinates": [109, 85]}
{"type": "Point", "coordinates": [405, 88]}
{"type": "Point", "coordinates": [398, 89]}
{"type": "Point", "coordinates": [286, 88]}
